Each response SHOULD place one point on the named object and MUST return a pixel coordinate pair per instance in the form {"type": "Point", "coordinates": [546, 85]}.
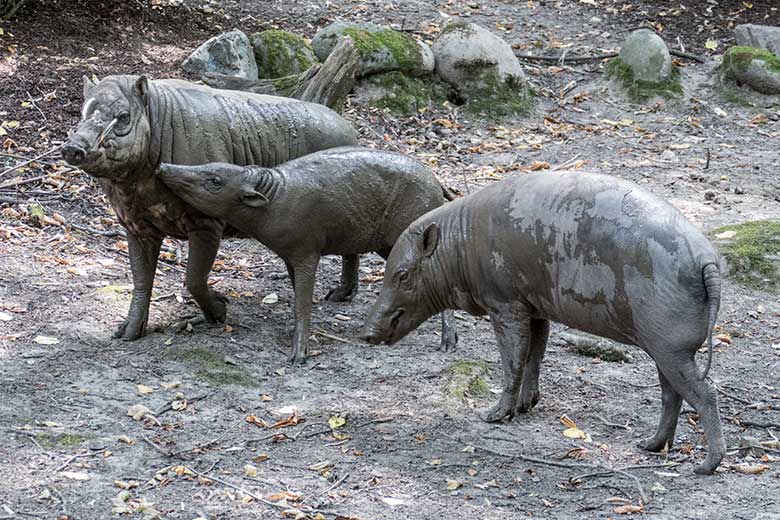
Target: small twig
{"type": "Point", "coordinates": [262, 500]}
{"type": "Point", "coordinates": [169, 406]}
{"type": "Point", "coordinates": [13, 200]}
{"type": "Point", "coordinates": [614, 425]}
{"type": "Point", "coordinates": [707, 164]}
{"type": "Point", "coordinates": [575, 59]}
{"type": "Point", "coordinates": [602, 470]}
{"type": "Point", "coordinates": [683, 54]}
{"type": "Point", "coordinates": [334, 338]}
{"type": "Point", "coordinates": [741, 422]}
{"type": "Point", "coordinates": [29, 161]}
{"type": "Point", "coordinates": [71, 459]}
{"type": "Point", "coordinates": [565, 164]}
{"type": "Point", "coordinates": [299, 432]}
{"type": "Point", "coordinates": [109, 233]}
{"type": "Point", "coordinates": [361, 425]}
{"type": "Point", "coordinates": [331, 488]}
{"type": "Point", "coordinates": [32, 101]}
{"type": "Point", "coordinates": [151, 443]}
{"type": "Point", "coordinates": [732, 396]}
{"type": "Point", "coordinates": [19, 182]}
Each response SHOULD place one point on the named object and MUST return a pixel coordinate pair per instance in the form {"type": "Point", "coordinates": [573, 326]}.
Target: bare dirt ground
{"type": "Point", "coordinates": [407, 448]}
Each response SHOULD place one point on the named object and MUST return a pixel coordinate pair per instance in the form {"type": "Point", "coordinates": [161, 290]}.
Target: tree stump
{"type": "Point", "coordinates": [327, 84]}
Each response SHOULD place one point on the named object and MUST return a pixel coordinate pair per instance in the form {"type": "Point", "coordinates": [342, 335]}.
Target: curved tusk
{"type": "Point", "coordinates": [105, 131]}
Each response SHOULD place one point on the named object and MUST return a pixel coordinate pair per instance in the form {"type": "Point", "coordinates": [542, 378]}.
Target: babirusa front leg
{"type": "Point", "coordinates": [203, 250]}
{"type": "Point", "coordinates": [512, 326]}
{"type": "Point", "coordinates": [304, 271]}
{"type": "Point", "coordinates": [143, 254]}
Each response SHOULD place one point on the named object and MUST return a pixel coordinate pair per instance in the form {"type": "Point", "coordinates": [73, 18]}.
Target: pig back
{"type": "Point", "coordinates": [194, 124]}
{"type": "Point", "coordinates": [593, 252]}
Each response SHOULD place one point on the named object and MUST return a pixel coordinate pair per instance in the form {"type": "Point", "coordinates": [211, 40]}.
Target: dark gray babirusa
{"type": "Point", "coordinates": [342, 201]}
{"type": "Point", "coordinates": [130, 125]}
{"type": "Point", "coordinates": [590, 251]}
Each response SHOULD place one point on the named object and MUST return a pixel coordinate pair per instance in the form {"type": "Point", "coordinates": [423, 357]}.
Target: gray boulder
{"type": "Point", "coordinates": [644, 68]}
{"type": "Point", "coordinates": [281, 53]}
{"type": "Point", "coordinates": [381, 49]}
{"type": "Point", "coordinates": [465, 50]}
{"type": "Point", "coordinates": [647, 55]}
{"type": "Point", "coordinates": [229, 53]}
{"type": "Point", "coordinates": [759, 36]}
{"type": "Point", "coordinates": [759, 69]}
{"type": "Point", "coordinates": [482, 69]}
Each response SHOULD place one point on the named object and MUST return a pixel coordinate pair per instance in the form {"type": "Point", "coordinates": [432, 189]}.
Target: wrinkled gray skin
{"type": "Point", "coordinates": [590, 251]}
{"type": "Point", "coordinates": [130, 125]}
{"type": "Point", "coordinates": [343, 201]}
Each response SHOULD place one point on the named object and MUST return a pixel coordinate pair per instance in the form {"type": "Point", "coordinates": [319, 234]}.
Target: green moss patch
{"type": "Point", "coordinates": [281, 53]}
{"type": "Point", "coordinates": [373, 46]}
{"type": "Point", "coordinates": [738, 59]}
{"type": "Point", "coordinates": [402, 94]}
{"type": "Point", "coordinates": [466, 379]}
{"type": "Point", "coordinates": [212, 368]}
{"type": "Point", "coordinates": [59, 440]}
{"type": "Point", "coordinates": [752, 250]}
{"type": "Point", "coordinates": [640, 90]}
{"type": "Point", "coordinates": [497, 99]}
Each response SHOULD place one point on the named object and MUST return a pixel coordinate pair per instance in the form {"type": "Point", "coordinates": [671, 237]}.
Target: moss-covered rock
{"type": "Point", "coordinates": [752, 250]}
{"type": "Point", "coordinates": [400, 94]}
{"type": "Point", "coordinates": [496, 99]}
{"type": "Point", "coordinates": [641, 90]}
{"type": "Point", "coordinates": [757, 68]}
{"type": "Point", "coordinates": [381, 49]}
{"type": "Point", "coordinates": [644, 68]}
{"type": "Point", "coordinates": [281, 53]}
{"type": "Point", "coordinates": [483, 69]}
{"type": "Point", "coordinates": [212, 368]}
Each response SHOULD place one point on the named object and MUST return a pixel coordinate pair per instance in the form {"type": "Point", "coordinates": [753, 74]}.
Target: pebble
{"type": "Point", "coordinates": [739, 191]}
{"type": "Point", "coordinates": [710, 195]}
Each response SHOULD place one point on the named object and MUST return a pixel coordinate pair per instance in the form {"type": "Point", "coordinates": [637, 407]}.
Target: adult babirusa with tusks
{"type": "Point", "coordinates": [590, 251]}
{"type": "Point", "coordinates": [129, 125]}
{"type": "Point", "coordinates": [344, 201]}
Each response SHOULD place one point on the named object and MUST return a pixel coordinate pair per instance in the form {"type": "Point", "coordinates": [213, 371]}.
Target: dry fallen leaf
{"type": "Point", "coordinates": [284, 495]}
{"type": "Point", "coordinates": [127, 440]}
{"type": "Point", "coordinates": [628, 509]}
{"type": "Point", "coordinates": [336, 421]}
{"type": "Point", "coordinates": [144, 390]}
{"type": "Point", "coordinates": [130, 484]}
{"type": "Point", "coordinates": [289, 421]}
{"type": "Point", "coordinates": [539, 165]}
{"type": "Point", "coordinates": [452, 485]}
{"type": "Point", "coordinates": [750, 469]}
{"type": "Point", "coordinates": [138, 412]}
{"type": "Point", "coordinates": [253, 419]}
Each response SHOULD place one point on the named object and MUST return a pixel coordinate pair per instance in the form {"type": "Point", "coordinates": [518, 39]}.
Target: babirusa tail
{"type": "Point", "coordinates": [711, 275]}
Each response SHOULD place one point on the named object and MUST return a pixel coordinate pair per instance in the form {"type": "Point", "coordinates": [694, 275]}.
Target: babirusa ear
{"type": "Point", "coordinates": [253, 198]}
{"type": "Point", "coordinates": [429, 240]}
{"type": "Point", "coordinates": [88, 86]}
{"type": "Point", "coordinates": [141, 89]}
